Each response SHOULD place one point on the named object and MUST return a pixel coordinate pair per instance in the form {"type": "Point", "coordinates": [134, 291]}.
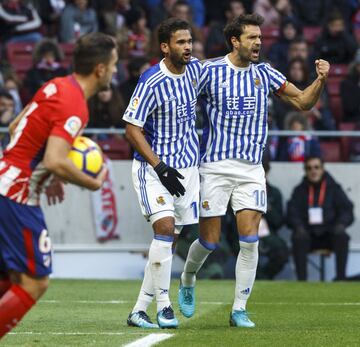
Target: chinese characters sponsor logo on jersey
{"type": "Point", "coordinates": [240, 105]}
{"type": "Point", "coordinates": [185, 112]}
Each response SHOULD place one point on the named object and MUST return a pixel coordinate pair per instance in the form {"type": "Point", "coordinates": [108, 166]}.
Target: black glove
{"type": "Point", "coordinates": [169, 177]}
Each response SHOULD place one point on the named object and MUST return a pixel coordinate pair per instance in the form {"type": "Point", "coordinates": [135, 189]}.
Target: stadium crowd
{"type": "Point", "coordinates": [38, 38]}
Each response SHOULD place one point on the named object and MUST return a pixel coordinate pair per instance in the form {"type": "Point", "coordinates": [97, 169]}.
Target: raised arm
{"type": "Point", "coordinates": [305, 99]}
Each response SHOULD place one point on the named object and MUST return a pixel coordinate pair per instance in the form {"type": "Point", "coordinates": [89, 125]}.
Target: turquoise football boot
{"type": "Point", "coordinates": [167, 319]}
{"type": "Point", "coordinates": [186, 300]}
{"type": "Point", "coordinates": [140, 319]}
{"type": "Point", "coordinates": [240, 319]}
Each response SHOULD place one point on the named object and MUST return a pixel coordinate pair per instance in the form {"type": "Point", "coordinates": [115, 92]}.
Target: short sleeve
{"type": "Point", "coordinates": [276, 78]}
{"type": "Point", "coordinates": [142, 103]}
{"type": "Point", "coordinates": [68, 122]}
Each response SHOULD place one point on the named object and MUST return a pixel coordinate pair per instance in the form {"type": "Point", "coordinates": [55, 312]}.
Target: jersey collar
{"type": "Point", "coordinates": [168, 73]}
{"type": "Point", "coordinates": [237, 68]}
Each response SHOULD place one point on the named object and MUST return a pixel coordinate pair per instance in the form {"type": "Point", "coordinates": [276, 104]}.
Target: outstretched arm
{"type": "Point", "coordinates": [307, 98]}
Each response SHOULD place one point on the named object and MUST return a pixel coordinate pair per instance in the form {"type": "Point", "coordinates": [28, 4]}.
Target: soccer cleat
{"type": "Point", "coordinates": [186, 300]}
{"type": "Point", "coordinates": [240, 319]}
{"type": "Point", "coordinates": [140, 319]}
{"type": "Point", "coordinates": [167, 319]}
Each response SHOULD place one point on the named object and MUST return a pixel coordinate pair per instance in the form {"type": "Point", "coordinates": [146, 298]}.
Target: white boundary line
{"type": "Point", "coordinates": [149, 340]}
{"type": "Point", "coordinates": [123, 302]}
{"type": "Point", "coordinates": [75, 333]}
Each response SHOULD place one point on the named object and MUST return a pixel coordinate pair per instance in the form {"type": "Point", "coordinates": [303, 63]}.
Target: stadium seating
{"type": "Point", "coordinates": [311, 34]}
{"type": "Point", "coordinates": [330, 151]}
{"type": "Point", "coordinates": [20, 57]}
{"type": "Point", "coordinates": [269, 35]}
{"type": "Point", "coordinates": [116, 148]}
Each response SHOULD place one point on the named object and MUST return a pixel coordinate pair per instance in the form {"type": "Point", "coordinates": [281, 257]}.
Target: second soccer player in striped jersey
{"type": "Point", "coordinates": [235, 100]}
{"type": "Point", "coordinates": [161, 128]}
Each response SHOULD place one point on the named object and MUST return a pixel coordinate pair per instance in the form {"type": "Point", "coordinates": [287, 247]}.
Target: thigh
{"type": "Point", "coordinates": [187, 206]}
{"type": "Point", "coordinates": [24, 240]}
{"type": "Point", "coordinates": [250, 192]}
{"type": "Point", "coordinates": [215, 189]}
{"type": "Point", "coordinates": [154, 198]}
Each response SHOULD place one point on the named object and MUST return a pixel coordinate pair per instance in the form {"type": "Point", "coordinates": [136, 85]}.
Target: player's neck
{"type": "Point", "coordinates": [175, 69]}
{"type": "Point", "coordinates": [237, 61]}
{"type": "Point", "coordinates": [87, 85]}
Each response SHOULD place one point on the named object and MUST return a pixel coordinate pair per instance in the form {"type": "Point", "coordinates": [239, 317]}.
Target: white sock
{"type": "Point", "coordinates": [146, 294]}
{"type": "Point", "coordinates": [160, 259]}
{"type": "Point", "coordinates": [245, 273]}
{"type": "Point", "coordinates": [195, 259]}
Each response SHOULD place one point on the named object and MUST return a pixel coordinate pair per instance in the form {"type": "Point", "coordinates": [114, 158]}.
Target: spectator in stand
{"type": "Point", "coordinates": [7, 114]}
{"type": "Point", "coordinates": [160, 13]}
{"type": "Point", "coordinates": [50, 12]}
{"type": "Point", "coordinates": [311, 12]}
{"type": "Point", "coordinates": [215, 45]}
{"type": "Point", "coordinates": [273, 11]}
{"type": "Point", "coordinates": [197, 8]}
{"type": "Point", "coordinates": [47, 59]}
{"type": "Point", "coordinates": [111, 15]}
{"type": "Point", "coordinates": [105, 109]}
{"type": "Point", "coordinates": [297, 148]}
{"type": "Point", "coordinates": [19, 22]}
{"type": "Point", "coordinates": [278, 53]}
{"type": "Point", "coordinates": [334, 44]}
{"type": "Point", "coordinates": [76, 20]}
{"type": "Point", "coordinates": [214, 15]}
{"type": "Point", "coordinates": [12, 86]}
{"type": "Point", "coordinates": [350, 91]}
{"type": "Point", "coordinates": [134, 39]}
{"type": "Point", "coordinates": [318, 214]}
{"type": "Point", "coordinates": [136, 67]}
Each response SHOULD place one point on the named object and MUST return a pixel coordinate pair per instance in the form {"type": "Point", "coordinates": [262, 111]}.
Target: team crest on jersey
{"type": "Point", "coordinates": [160, 200]}
{"type": "Point", "coordinates": [205, 205]}
{"type": "Point", "coordinates": [73, 125]}
{"type": "Point", "coordinates": [194, 83]}
{"type": "Point", "coordinates": [257, 82]}
{"type": "Point", "coordinates": [134, 103]}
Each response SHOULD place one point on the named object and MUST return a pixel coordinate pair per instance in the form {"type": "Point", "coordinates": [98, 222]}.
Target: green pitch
{"type": "Point", "coordinates": [93, 313]}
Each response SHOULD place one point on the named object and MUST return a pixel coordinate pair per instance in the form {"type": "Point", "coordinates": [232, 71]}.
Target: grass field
{"type": "Point", "coordinates": [93, 313]}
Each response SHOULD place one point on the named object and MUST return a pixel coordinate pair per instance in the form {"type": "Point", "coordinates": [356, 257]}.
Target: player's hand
{"type": "Point", "coordinates": [55, 191]}
{"type": "Point", "coordinates": [101, 177]}
{"type": "Point", "coordinates": [322, 69]}
{"type": "Point", "coordinates": [169, 177]}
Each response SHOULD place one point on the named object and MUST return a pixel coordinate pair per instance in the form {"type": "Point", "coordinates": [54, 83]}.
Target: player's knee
{"type": "Point", "coordinates": [164, 226]}
{"type": "Point", "coordinates": [39, 287]}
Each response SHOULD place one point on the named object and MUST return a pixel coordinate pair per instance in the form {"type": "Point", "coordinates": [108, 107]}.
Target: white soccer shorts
{"type": "Point", "coordinates": [238, 181]}
{"type": "Point", "coordinates": [155, 200]}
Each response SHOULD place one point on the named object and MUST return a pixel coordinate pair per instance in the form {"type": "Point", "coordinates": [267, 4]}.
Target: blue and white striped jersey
{"type": "Point", "coordinates": [163, 104]}
{"type": "Point", "coordinates": [235, 102]}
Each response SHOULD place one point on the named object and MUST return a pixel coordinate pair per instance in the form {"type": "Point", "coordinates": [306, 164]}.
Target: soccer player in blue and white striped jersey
{"type": "Point", "coordinates": [235, 100]}
{"type": "Point", "coordinates": [161, 128]}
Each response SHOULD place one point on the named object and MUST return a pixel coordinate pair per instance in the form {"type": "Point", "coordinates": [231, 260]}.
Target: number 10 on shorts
{"type": "Point", "coordinates": [260, 198]}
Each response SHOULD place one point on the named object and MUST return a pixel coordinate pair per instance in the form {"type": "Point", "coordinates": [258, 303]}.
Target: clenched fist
{"type": "Point", "coordinates": [322, 68]}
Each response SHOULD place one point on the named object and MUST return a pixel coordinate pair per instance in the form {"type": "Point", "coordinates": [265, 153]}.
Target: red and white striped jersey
{"type": "Point", "coordinates": [59, 108]}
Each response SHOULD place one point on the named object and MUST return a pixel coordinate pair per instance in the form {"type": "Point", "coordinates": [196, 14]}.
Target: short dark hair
{"type": "Point", "coordinates": [169, 27]}
{"type": "Point", "coordinates": [236, 26]}
{"type": "Point", "coordinates": [90, 50]}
